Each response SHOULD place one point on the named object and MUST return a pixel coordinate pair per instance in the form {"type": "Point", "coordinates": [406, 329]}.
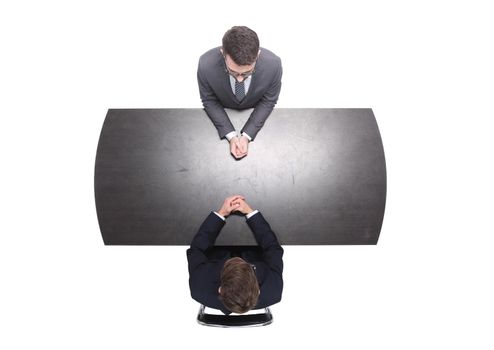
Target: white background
{"type": "Point", "coordinates": [426, 69]}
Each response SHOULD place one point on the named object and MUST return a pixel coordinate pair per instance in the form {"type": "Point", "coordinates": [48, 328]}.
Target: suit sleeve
{"type": "Point", "coordinates": [265, 237]}
{"type": "Point", "coordinates": [212, 105]}
{"type": "Point", "coordinates": [203, 240]}
{"type": "Point", "coordinates": [265, 106]}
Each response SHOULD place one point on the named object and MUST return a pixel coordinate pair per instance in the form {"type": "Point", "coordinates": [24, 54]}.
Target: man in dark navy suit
{"type": "Point", "coordinates": [239, 75]}
{"type": "Point", "coordinates": [235, 280]}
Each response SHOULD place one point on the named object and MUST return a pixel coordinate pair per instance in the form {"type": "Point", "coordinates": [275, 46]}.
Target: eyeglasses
{"type": "Point", "coordinates": [234, 74]}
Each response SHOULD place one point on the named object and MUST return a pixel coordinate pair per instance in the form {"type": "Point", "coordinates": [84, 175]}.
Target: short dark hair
{"type": "Point", "coordinates": [239, 286]}
{"type": "Point", "coordinates": [242, 44]}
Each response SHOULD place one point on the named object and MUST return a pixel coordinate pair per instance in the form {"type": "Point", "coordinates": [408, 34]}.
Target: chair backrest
{"type": "Point", "coordinates": [249, 320]}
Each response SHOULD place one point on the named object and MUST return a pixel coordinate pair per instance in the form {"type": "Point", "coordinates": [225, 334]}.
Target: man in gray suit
{"type": "Point", "coordinates": [239, 75]}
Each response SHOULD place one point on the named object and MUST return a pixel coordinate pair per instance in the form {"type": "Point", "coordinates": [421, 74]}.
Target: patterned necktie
{"type": "Point", "coordinates": [239, 90]}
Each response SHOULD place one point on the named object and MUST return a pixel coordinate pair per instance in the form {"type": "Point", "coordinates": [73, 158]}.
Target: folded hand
{"type": "Point", "coordinates": [230, 204]}
{"type": "Point", "coordinates": [239, 146]}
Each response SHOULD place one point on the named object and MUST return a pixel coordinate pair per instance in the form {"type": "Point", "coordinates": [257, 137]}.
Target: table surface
{"type": "Point", "coordinates": [317, 175]}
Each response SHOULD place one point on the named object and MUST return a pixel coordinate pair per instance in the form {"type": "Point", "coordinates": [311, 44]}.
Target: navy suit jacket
{"type": "Point", "coordinates": [206, 261]}
{"type": "Point", "coordinates": [216, 91]}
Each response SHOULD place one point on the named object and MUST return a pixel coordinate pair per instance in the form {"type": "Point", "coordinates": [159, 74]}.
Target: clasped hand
{"type": "Point", "coordinates": [239, 146]}
{"type": "Point", "coordinates": [234, 203]}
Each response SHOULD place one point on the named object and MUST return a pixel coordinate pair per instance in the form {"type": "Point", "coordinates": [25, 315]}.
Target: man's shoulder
{"type": "Point", "coordinates": [210, 56]}
{"type": "Point", "coordinates": [204, 284]}
{"type": "Point", "coordinates": [269, 56]}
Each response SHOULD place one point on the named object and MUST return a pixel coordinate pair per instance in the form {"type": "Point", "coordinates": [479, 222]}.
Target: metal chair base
{"type": "Point", "coordinates": [250, 320]}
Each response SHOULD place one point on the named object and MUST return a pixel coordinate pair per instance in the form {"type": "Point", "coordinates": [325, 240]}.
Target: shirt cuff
{"type": "Point", "coordinates": [248, 137]}
{"type": "Point", "coordinates": [231, 135]}
{"type": "Point", "coordinates": [251, 214]}
{"type": "Point", "coordinates": [220, 216]}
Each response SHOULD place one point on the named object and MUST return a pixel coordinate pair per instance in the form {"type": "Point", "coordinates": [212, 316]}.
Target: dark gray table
{"type": "Point", "coordinates": [317, 175]}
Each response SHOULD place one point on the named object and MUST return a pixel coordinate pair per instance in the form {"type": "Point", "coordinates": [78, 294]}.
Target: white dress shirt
{"type": "Point", "coordinates": [248, 216]}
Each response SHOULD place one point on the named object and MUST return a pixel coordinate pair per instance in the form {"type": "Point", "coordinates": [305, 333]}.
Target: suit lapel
{"type": "Point", "coordinates": [227, 86]}
{"type": "Point", "coordinates": [253, 81]}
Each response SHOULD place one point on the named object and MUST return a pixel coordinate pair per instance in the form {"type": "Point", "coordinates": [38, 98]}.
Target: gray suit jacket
{"type": "Point", "coordinates": [216, 92]}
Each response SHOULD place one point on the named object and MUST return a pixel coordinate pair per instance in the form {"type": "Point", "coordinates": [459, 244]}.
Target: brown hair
{"type": "Point", "coordinates": [242, 44]}
{"type": "Point", "coordinates": [239, 286]}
